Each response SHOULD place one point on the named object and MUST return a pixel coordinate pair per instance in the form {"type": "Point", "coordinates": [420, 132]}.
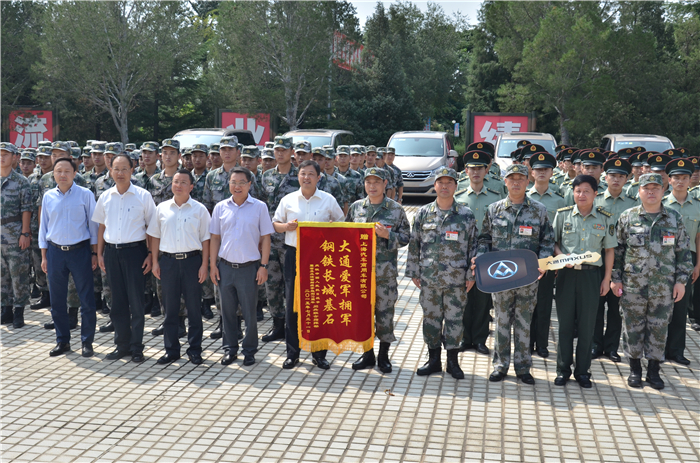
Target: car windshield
{"type": "Point", "coordinates": [191, 139]}
{"type": "Point", "coordinates": [415, 146]}
{"type": "Point", "coordinates": [315, 140]}
{"type": "Point", "coordinates": [658, 146]}
{"type": "Point", "coordinates": [508, 145]}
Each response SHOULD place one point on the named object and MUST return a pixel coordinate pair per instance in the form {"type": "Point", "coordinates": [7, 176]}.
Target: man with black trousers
{"type": "Point", "coordinates": [123, 213]}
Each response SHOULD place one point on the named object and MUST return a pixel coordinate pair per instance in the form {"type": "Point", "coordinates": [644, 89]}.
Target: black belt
{"type": "Point", "coordinates": [289, 247]}
{"type": "Point", "coordinates": [231, 264]}
{"type": "Point", "coordinates": [586, 267]}
{"type": "Point", "coordinates": [13, 219]}
{"type": "Point", "coordinates": [133, 244]}
{"type": "Point", "coordinates": [72, 246]}
{"type": "Point", "coordinates": [181, 255]}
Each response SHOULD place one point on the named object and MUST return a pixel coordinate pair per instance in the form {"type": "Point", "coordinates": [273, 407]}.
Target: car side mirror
{"type": "Point", "coordinates": [452, 154]}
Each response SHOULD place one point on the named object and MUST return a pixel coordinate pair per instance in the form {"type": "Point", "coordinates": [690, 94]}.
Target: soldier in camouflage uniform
{"type": "Point", "coordinates": [27, 162]}
{"type": "Point", "coordinates": [268, 162]}
{"type": "Point", "coordinates": [278, 183]}
{"type": "Point", "coordinates": [652, 267]}
{"type": "Point", "coordinates": [390, 174]}
{"type": "Point", "coordinates": [149, 155]}
{"type": "Point", "coordinates": [357, 159]}
{"type": "Point", "coordinates": [16, 213]}
{"type": "Point", "coordinates": [393, 232]}
{"type": "Point", "coordinates": [354, 182]}
{"type": "Point", "coordinates": [515, 222]}
{"type": "Point", "coordinates": [398, 175]}
{"type": "Point", "coordinates": [327, 183]}
{"type": "Point", "coordinates": [45, 166]}
{"type": "Point", "coordinates": [200, 171]}
{"type": "Point", "coordinates": [443, 241]}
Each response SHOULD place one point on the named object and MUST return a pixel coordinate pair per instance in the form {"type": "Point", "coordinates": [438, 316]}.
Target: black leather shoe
{"type": "Point", "coordinates": [542, 352]}
{"type": "Point", "coordinates": [614, 356]}
{"type": "Point", "coordinates": [49, 326]}
{"type": "Point", "coordinates": [595, 353]}
{"type": "Point", "coordinates": [217, 333]}
{"type": "Point", "coordinates": [206, 309]}
{"type": "Point", "coordinates": [679, 359]}
{"type": "Point", "coordinates": [561, 380]}
{"type": "Point", "coordinates": [466, 346]}
{"type": "Point", "coordinates": [695, 326]}
{"type": "Point", "coordinates": [61, 348]}
{"type": "Point", "coordinates": [584, 381]}
{"type": "Point", "coordinates": [259, 314]}
{"type": "Point", "coordinates": [228, 358]}
{"type": "Point", "coordinates": [167, 358]}
{"type": "Point", "coordinates": [108, 328]}
{"type": "Point", "coordinates": [290, 363]}
{"type": "Point", "coordinates": [137, 357]}
{"type": "Point", "coordinates": [116, 355]}
{"type": "Point", "coordinates": [195, 359]}
{"type": "Point", "coordinates": [322, 363]}
{"type": "Point", "coordinates": [497, 376]}
{"type": "Point", "coordinates": [158, 331]}
{"type": "Point", "coordinates": [248, 360]}
{"type": "Point", "coordinates": [482, 349]}
{"type": "Point", "coordinates": [155, 310]}
{"type": "Point", "coordinates": [87, 350]}
{"type": "Point", "coordinates": [526, 378]}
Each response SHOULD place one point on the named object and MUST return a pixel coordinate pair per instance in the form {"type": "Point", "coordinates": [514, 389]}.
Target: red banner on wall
{"type": "Point", "coordinates": [28, 128]}
{"type": "Point", "coordinates": [258, 124]}
{"type": "Point", "coordinates": [487, 128]}
{"type": "Point", "coordinates": [335, 290]}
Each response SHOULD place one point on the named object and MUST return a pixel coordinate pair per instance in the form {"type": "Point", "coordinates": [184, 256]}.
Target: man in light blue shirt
{"type": "Point", "coordinates": [68, 240]}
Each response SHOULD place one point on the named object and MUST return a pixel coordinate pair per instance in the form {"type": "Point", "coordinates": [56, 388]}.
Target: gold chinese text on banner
{"type": "Point", "coordinates": [334, 290]}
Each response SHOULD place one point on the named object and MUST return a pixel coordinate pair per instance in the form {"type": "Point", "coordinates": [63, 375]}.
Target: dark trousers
{"type": "Point", "coordinates": [127, 282]}
{"type": "Point", "coordinates": [179, 278]}
{"type": "Point", "coordinates": [675, 342]}
{"type": "Point", "coordinates": [542, 316]}
{"type": "Point", "coordinates": [606, 335]}
{"type": "Point", "coordinates": [694, 304]}
{"type": "Point", "coordinates": [292, 318]}
{"type": "Point", "coordinates": [578, 292]}
{"type": "Point", "coordinates": [61, 264]}
{"type": "Point", "coordinates": [476, 317]}
{"type": "Point", "coordinates": [238, 288]}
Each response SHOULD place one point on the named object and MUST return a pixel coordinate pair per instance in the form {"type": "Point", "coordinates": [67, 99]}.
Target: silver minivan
{"type": "Point", "coordinates": [418, 154]}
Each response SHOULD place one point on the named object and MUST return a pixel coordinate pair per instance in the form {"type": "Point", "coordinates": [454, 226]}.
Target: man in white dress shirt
{"type": "Point", "coordinates": [308, 204]}
{"type": "Point", "coordinates": [123, 213]}
{"type": "Point", "coordinates": [179, 235]}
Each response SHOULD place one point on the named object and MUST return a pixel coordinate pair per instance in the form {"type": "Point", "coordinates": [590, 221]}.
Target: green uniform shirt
{"type": "Point", "coordinates": [477, 202]}
{"type": "Point", "coordinates": [690, 211]}
{"type": "Point", "coordinates": [489, 182]}
{"type": "Point", "coordinates": [577, 234]}
{"type": "Point", "coordinates": [552, 200]}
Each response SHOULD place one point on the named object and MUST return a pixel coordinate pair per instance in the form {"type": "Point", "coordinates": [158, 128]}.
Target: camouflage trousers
{"type": "Point", "coordinates": [14, 273]}
{"type": "Point", "coordinates": [646, 312]}
{"type": "Point", "coordinates": [39, 276]}
{"type": "Point", "coordinates": [106, 290]}
{"type": "Point", "coordinates": [443, 303]}
{"type": "Point", "coordinates": [386, 296]}
{"type": "Point", "coordinates": [275, 281]}
{"type": "Point", "coordinates": [208, 289]}
{"type": "Point", "coordinates": [514, 309]}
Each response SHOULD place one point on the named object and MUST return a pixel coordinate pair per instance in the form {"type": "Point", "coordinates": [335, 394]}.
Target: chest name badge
{"type": "Point", "coordinates": [669, 240]}
{"type": "Point", "coordinates": [525, 230]}
{"type": "Point", "coordinates": [451, 236]}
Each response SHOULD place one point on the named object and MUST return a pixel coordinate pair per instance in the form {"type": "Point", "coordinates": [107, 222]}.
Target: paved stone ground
{"type": "Point", "coordinates": [75, 409]}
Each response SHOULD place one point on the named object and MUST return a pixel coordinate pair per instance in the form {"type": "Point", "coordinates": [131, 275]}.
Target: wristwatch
{"type": "Point", "coordinates": [264, 266]}
{"type": "Point", "coordinates": [26, 234]}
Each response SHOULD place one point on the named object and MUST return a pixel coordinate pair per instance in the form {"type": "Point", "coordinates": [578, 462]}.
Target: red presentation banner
{"type": "Point", "coordinates": [335, 289]}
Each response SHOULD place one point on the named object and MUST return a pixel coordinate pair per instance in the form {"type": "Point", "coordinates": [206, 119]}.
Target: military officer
{"type": "Point", "coordinates": [632, 186]}
{"type": "Point", "coordinates": [354, 182]}
{"type": "Point", "coordinates": [474, 193]}
{"type": "Point", "coordinates": [591, 164]}
{"type": "Point", "coordinates": [393, 232]}
{"type": "Point", "coordinates": [579, 229]}
{"type": "Point", "coordinates": [45, 166]}
{"type": "Point", "coordinates": [443, 240]}
{"type": "Point", "coordinates": [652, 267]}
{"type": "Point", "coordinates": [516, 222]}
{"type": "Point", "coordinates": [679, 172]}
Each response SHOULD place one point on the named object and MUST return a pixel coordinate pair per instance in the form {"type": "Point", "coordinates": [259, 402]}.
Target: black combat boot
{"type": "Point", "coordinates": [18, 317]}
{"type": "Point", "coordinates": [367, 360]}
{"type": "Point", "coordinates": [635, 377]}
{"type": "Point", "coordinates": [383, 357]}
{"type": "Point", "coordinates": [206, 309]}
{"type": "Point", "coordinates": [653, 377]}
{"type": "Point", "coordinates": [453, 364]}
{"type": "Point", "coordinates": [35, 292]}
{"type": "Point", "coordinates": [433, 365]}
{"type": "Point", "coordinates": [6, 316]}
{"type": "Point", "coordinates": [43, 303]}
{"type": "Point", "coordinates": [276, 332]}
{"type": "Point", "coordinates": [73, 317]}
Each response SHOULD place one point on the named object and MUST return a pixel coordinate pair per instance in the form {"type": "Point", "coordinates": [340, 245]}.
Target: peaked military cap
{"type": "Point", "coordinates": [560, 148]}
{"type": "Point", "coordinates": [482, 146]}
{"type": "Point", "coordinates": [476, 158]}
{"type": "Point", "coordinates": [566, 153]}
{"type": "Point", "coordinates": [542, 160]}
{"type": "Point", "coordinates": [618, 166]}
{"type": "Point", "coordinates": [522, 143]}
{"type": "Point", "coordinates": [673, 153]}
{"type": "Point", "coordinates": [592, 158]}
{"type": "Point", "coordinates": [658, 161]}
{"type": "Point", "coordinates": [680, 166]}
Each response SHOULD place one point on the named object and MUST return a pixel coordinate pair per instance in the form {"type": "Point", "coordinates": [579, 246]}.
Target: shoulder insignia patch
{"type": "Point", "coordinates": [460, 192]}
{"type": "Point", "coordinates": [567, 208]}
{"type": "Point", "coordinates": [559, 194]}
{"type": "Point", "coordinates": [603, 211]}
{"type": "Point", "coordinates": [493, 191]}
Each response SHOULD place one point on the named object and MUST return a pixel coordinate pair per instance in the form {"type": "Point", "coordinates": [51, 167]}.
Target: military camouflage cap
{"type": "Point", "coordinates": [445, 172]}
{"type": "Point", "coordinates": [44, 143]}
{"type": "Point", "coordinates": [200, 147]}
{"type": "Point", "coordinates": [30, 150]}
{"type": "Point", "coordinates": [516, 169]}
{"type": "Point", "coordinates": [76, 152]}
{"type": "Point", "coordinates": [267, 153]}
{"type": "Point", "coordinates": [8, 147]}
{"type": "Point", "coordinates": [283, 142]}
{"type": "Point", "coordinates": [329, 152]}
{"type": "Point", "coordinates": [391, 149]}
{"type": "Point", "coordinates": [130, 146]}
{"type": "Point", "coordinates": [658, 162]}
{"type": "Point", "coordinates": [250, 151]}
{"type": "Point", "coordinates": [363, 149]}
{"type": "Point", "coordinates": [214, 148]}
{"type": "Point", "coordinates": [618, 166]}
{"type": "Point", "coordinates": [61, 146]}
{"type": "Point", "coordinates": [98, 147]}
{"type": "Point", "coordinates": [172, 143]}
{"type": "Point", "coordinates": [381, 151]}
{"type": "Point", "coordinates": [318, 150]}
{"type": "Point", "coordinates": [270, 144]}
{"type": "Point", "coordinates": [680, 166]}
{"type": "Point", "coordinates": [646, 179]}
{"type": "Point", "coordinates": [150, 146]}
{"type": "Point", "coordinates": [303, 145]}
{"type": "Point", "coordinates": [86, 150]}
{"type": "Point", "coordinates": [43, 151]}
{"type": "Point", "coordinates": [371, 149]}
{"type": "Point", "coordinates": [28, 155]}
{"type": "Point", "coordinates": [73, 144]}
{"type": "Point", "coordinates": [542, 160]}
{"type": "Point", "coordinates": [231, 141]}
{"type": "Point", "coordinates": [343, 149]}
{"type": "Point", "coordinates": [355, 149]}
{"type": "Point", "coordinates": [114, 148]}
{"type": "Point", "coordinates": [187, 151]}
{"type": "Point", "coordinates": [134, 154]}
{"type": "Point", "coordinates": [376, 172]}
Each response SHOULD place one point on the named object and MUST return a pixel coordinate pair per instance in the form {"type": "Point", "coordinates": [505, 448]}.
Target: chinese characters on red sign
{"type": "Point", "coordinates": [487, 128]}
{"type": "Point", "coordinates": [335, 286]}
{"type": "Point", "coordinates": [28, 128]}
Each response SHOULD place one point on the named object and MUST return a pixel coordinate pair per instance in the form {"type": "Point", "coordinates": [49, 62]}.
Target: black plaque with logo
{"type": "Point", "coordinates": [504, 270]}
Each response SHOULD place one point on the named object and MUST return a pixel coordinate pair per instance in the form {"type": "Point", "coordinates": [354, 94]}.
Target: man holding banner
{"type": "Point", "coordinates": [308, 204]}
{"type": "Point", "coordinates": [393, 232]}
